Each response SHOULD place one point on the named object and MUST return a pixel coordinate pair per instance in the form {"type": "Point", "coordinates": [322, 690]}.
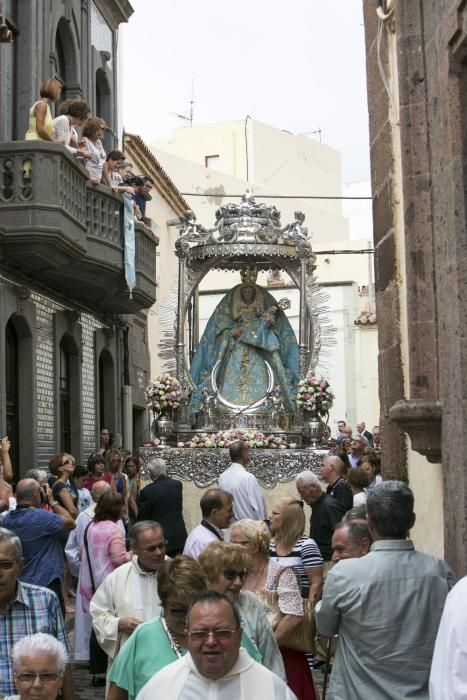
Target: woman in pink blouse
{"type": "Point", "coordinates": [105, 549]}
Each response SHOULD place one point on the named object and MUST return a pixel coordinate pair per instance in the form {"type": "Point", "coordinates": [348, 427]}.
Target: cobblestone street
{"type": "Point", "coordinates": [82, 683]}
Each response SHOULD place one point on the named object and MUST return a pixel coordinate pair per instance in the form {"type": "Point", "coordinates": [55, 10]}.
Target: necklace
{"type": "Point", "coordinates": [254, 585]}
{"type": "Point", "coordinates": [176, 647]}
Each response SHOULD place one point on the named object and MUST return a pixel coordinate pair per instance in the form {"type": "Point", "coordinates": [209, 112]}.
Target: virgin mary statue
{"type": "Point", "coordinates": [247, 339]}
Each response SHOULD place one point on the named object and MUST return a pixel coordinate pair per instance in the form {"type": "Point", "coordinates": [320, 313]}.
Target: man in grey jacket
{"type": "Point", "coordinates": [385, 607]}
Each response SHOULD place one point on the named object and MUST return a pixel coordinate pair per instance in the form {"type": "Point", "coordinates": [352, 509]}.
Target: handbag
{"type": "Point", "coordinates": [303, 637]}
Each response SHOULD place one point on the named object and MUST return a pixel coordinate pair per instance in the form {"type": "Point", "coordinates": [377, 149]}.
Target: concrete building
{"type": "Point", "coordinates": [73, 340]}
{"type": "Point", "coordinates": [417, 76]}
{"type": "Point", "coordinates": [218, 160]}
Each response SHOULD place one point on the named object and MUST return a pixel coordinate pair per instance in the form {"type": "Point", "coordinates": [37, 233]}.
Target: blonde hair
{"type": "Point", "coordinates": [181, 577]}
{"type": "Point", "coordinates": [292, 523]}
{"type": "Point", "coordinates": [256, 532]}
{"type": "Point", "coordinates": [218, 556]}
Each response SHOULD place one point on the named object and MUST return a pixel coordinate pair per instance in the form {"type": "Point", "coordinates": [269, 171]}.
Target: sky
{"type": "Point", "coordinates": [297, 65]}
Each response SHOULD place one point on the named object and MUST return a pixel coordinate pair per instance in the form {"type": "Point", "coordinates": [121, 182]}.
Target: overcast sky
{"type": "Point", "coordinates": [297, 65]}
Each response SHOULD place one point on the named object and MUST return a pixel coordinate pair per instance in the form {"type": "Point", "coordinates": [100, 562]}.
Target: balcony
{"type": "Point", "coordinates": [58, 229]}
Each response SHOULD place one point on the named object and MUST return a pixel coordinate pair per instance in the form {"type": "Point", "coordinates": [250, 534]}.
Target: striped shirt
{"type": "Point", "coordinates": [304, 555]}
{"type": "Point", "coordinates": [34, 609]}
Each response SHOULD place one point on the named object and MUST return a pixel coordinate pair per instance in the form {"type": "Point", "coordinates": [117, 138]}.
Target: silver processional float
{"type": "Point", "coordinates": [248, 377]}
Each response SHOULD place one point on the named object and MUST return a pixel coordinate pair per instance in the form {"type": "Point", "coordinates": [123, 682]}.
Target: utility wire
{"type": "Point", "coordinates": [267, 196]}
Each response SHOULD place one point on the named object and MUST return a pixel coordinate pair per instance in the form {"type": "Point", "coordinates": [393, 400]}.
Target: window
{"type": "Point", "coordinates": [212, 162]}
{"type": "Point", "coordinates": [64, 394]}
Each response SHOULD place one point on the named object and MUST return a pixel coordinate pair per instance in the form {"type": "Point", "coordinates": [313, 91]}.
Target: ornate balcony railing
{"type": "Point", "coordinates": [59, 229]}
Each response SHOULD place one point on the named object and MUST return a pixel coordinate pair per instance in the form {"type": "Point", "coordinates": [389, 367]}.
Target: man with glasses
{"type": "Point", "coordinates": [216, 666]}
{"type": "Point", "coordinates": [128, 596]}
{"type": "Point", "coordinates": [24, 609]}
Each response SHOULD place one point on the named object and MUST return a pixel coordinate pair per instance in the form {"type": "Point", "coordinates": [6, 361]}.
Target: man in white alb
{"type": "Point", "coordinates": [128, 596]}
{"type": "Point", "coordinates": [215, 666]}
{"type": "Point", "coordinates": [246, 492]}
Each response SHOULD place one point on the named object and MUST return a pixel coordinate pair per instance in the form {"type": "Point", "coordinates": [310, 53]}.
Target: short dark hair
{"type": "Point", "coordinates": [109, 507]}
{"type": "Point", "coordinates": [142, 526]}
{"type": "Point", "coordinates": [75, 108]}
{"type": "Point", "coordinates": [115, 155]}
{"type": "Point", "coordinates": [358, 531]}
{"type": "Point", "coordinates": [237, 449]}
{"type": "Point", "coordinates": [212, 499]}
{"type": "Point", "coordinates": [135, 460]}
{"type": "Point", "coordinates": [95, 458]}
{"type": "Point", "coordinates": [359, 478]}
{"type": "Point", "coordinates": [212, 598]}
{"type": "Point", "coordinates": [390, 509]}
{"type": "Point", "coordinates": [80, 471]}
{"type": "Point", "coordinates": [137, 181]}
{"type": "Point", "coordinates": [146, 178]}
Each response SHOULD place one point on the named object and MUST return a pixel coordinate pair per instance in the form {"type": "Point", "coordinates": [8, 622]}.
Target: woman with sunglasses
{"type": "Point", "coordinates": [226, 566]}
{"type": "Point", "coordinates": [64, 491]}
{"type": "Point", "coordinates": [267, 577]}
{"type": "Point", "coordinates": [159, 642]}
{"type": "Point", "coordinates": [291, 547]}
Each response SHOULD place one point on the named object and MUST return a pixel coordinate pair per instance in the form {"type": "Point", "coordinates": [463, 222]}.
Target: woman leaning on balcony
{"type": "Point", "coordinates": [73, 113]}
{"type": "Point", "coordinates": [40, 119]}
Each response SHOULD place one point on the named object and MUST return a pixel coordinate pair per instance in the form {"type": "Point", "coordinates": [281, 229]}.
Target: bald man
{"type": "Point", "coordinates": [39, 531]}
{"type": "Point", "coordinates": [332, 472]}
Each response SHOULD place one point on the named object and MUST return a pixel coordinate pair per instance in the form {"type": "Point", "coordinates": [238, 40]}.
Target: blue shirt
{"type": "Point", "coordinates": [38, 531]}
{"type": "Point", "coordinates": [32, 610]}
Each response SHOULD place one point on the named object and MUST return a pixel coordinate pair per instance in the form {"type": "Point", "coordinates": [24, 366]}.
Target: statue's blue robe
{"type": "Point", "coordinates": [242, 376]}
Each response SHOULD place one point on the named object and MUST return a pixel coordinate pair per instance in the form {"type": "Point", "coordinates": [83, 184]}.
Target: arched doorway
{"type": "Point", "coordinates": [12, 392]}
{"type": "Point", "coordinates": [65, 51]}
{"type": "Point", "coordinates": [107, 390]}
{"type": "Point", "coordinates": [69, 396]}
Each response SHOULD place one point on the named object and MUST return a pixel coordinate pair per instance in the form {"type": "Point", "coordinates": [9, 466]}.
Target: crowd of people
{"type": "Point", "coordinates": [246, 605]}
{"type": "Point", "coordinates": [109, 169]}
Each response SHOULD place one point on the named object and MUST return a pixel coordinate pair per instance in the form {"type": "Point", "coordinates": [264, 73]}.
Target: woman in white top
{"type": "Point", "coordinates": [265, 577]}
{"type": "Point", "coordinates": [358, 479]}
{"type": "Point", "coordinates": [93, 131]}
{"type": "Point", "coordinates": [73, 113]}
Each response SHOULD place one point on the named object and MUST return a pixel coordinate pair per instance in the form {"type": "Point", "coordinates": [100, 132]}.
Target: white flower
{"type": "Point", "coordinates": [293, 445]}
{"type": "Point", "coordinates": [180, 444]}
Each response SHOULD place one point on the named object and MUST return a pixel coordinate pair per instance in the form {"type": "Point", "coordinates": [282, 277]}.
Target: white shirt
{"type": "Point", "coordinates": [128, 591]}
{"type": "Point", "coordinates": [247, 680]}
{"type": "Point", "coordinates": [198, 539]}
{"type": "Point", "coordinates": [448, 677]}
{"type": "Point", "coordinates": [248, 501]}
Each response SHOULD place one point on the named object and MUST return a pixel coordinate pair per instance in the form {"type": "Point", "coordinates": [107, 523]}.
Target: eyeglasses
{"type": "Point", "coordinates": [29, 678]}
{"type": "Point", "coordinates": [178, 610]}
{"type": "Point", "coordinates": [217, 635]}
{"type": "Point", "coordinates": [232, 574]}
{"type": "Point", "coordinates": [6, 564]}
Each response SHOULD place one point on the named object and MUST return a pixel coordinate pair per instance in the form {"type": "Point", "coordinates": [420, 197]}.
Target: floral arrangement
{"type": "Point", "coordinates": [163, 394]}
{"type": "Point", "coordinates": [315, 396]}
{"type": "Point", "coordinates": [228, 437]}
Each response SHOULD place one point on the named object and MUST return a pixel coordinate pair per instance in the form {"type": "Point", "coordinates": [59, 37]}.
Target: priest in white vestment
{"type": "Point", "coordinates": [215, 667]}
{"type": "Point", "coordinates": [128, 596]}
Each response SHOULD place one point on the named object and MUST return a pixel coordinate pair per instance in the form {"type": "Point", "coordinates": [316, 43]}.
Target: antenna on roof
{"type": "Point", "coordinates": [188, 117]}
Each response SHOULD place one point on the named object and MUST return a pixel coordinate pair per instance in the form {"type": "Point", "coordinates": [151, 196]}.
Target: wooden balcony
{"type": "Point", "coordinates": [58, 229]}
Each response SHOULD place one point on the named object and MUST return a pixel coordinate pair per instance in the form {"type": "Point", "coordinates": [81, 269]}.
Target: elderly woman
{"type": "Point", "coordinates": [266, 576]}
{"type": "Point", "coordinates": [290, 546]}
{"type": "Point", "coordinates": [226, 566]}
{"type": "Point", "coordinates": [40, 118]}
{"type": "Point", "coordinates": [93, 131]}
{"type": "Point", "coordinates": [160, 641]}
{"type": "Point", "coordinates": [39, 662]}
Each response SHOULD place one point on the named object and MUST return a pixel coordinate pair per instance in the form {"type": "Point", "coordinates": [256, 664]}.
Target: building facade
{"type": "Point", "coordinates": [417, 73]}
{"type": "Point", "coordinates": [73, 338]}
